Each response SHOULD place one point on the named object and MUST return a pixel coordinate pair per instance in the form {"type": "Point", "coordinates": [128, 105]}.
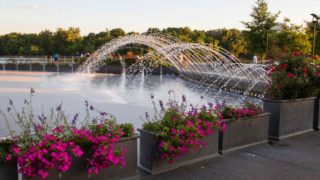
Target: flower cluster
{"type": "Point", "coordinates": [49, 144]}
{"type": "Point", "coordinates": [100, 139]}
{"type": "Point", "coordinates": [180, 132]}
{"type": "Point", "coordinates": [52, 152]}
{"type": "Point", "coordinates": [292, 78]}
{"type": "Point", "coordinates": [235, 113]}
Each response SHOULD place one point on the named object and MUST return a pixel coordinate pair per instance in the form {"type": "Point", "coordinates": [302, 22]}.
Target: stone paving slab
{"type": "Point", "coordinates": [293, 159]}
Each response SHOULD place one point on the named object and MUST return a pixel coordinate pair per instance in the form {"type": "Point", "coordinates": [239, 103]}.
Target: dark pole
{"type": "Point", "coordinates": [315, 20]}
{"type": "Point", "coordinates": [314, 39]}
{"type": "Point", "coordinates": [267, 50]}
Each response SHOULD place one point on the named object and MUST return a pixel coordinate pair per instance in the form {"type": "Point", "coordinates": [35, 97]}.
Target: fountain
{"type": "Point", "coordinates": [215, 67]}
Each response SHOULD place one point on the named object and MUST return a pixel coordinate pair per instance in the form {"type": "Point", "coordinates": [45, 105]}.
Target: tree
{"type": "Point", "coordinates": [117, 32]}
{"type": "Point", "coordinates": [46, 42]}
{"type": "Point", "coordinates": [258, 28]}
{"type": "Point", "coordinates": [67, 42]}
{"type": "Point", "coordinates": [293, 38]}
{"type": "Point", "coordinates": [309, 30]}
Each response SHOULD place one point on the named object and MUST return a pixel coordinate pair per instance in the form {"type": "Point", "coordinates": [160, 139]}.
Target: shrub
{"type": "Point", "coordinates": [292, 78]}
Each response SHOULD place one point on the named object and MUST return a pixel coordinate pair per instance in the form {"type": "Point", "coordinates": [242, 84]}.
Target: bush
{"type": "Point", "coordinates": [293, 78]}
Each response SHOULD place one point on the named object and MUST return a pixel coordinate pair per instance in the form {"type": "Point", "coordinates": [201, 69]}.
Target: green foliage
{"type": "Point", "coordinates": [292, 38]}
{"type": "Point", "coordinates": [257, 29]}
{"type": "Point", "coordinates": [293, 78]}
{"type": "Point", "coordinates": [128, 129]}
{"type": "Point", "coordinates": [5, 146]}
{"type": "Point", "coordinates": [310, 31]}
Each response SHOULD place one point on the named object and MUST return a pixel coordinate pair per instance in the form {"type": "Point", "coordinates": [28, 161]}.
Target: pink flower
{"type": "Point", "coordinates": [290, 75]}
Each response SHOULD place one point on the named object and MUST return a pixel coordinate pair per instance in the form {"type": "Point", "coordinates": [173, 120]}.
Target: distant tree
{"type": "Point", "coordinates": [257, 29]}
{"type": "Point", "coordinates": [234, 42]}
{"type": "Point", "coordinates": [292, 37]}
{"type": "Point", "coordinates": [67, 42]}
{"type": "Point", "coordinates": [117, 32]}
{"type": "Point", "coordinates": [46, 42]}
{"type": "Point", "coordinates": [153, 30]}
{"type": "Point", "coordinates": [309, 30]}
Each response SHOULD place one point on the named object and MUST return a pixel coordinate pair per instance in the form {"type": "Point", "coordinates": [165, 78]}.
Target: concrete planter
{"type": "Point", "coordinates": [316, 121]}
{"type": "Point", "coordinates": [78, 170]}
{"type": "Point", "coordinates": [9, 170]}
{"type": "Point", "coordinates": [244, 132]}
{"type": "Point", "coordinates": [151, 162]}
{"type": "Point", "coordinates": [289, 117]}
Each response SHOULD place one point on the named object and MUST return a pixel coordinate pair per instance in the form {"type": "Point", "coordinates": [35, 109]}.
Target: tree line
{"type": "Point", "coordinates": [263, 34]}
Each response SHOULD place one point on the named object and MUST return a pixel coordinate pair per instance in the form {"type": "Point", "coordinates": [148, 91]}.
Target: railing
{"type": "Point", "coordinates": [36, 59]}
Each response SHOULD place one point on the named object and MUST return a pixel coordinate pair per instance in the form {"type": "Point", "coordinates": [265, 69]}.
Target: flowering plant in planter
{"type": "Point", "coordinates": [98, 140]}
{"type": "Point", "coordinates": [292, 78]}
{"type": "Point", "coordinates": [180, 131]}
{"type": "Point", "coordinates": [235, 113]}
{"type": "Point", "coordinates": [49, 144]}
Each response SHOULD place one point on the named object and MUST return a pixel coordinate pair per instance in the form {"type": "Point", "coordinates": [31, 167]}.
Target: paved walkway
{"type": "Point", "coordinates": [294, 158]}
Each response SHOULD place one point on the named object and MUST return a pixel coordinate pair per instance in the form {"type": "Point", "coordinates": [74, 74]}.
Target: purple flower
{"type": "Point", "coordinates": [184, 98]}
{"type": "Point", "coordinates": [161, 105]}
{"type": "Point", "coordinates": [75, 118]}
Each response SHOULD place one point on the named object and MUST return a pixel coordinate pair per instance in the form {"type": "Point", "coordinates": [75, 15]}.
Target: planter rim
{"type": "Point", "coordinates": [247, 118]}
{"type": "Point", "coordinates": [153, 133]}
{"type": "Point", "coordinates": [288, 100]}
{"type": "Point", "coordinates": [135, 136]}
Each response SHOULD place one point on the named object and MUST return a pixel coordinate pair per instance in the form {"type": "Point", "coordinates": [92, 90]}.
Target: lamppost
{"type": "Point", "coordinates": [315, 20]}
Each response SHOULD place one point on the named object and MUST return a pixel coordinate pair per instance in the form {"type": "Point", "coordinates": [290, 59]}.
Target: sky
{"type": "Point", "coordinates": [32, 16]}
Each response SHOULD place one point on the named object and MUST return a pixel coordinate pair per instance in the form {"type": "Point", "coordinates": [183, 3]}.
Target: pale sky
{"type": "Point", "coordinates": [138, 15]}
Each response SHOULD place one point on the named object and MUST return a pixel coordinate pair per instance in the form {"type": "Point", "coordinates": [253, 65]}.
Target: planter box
{"type": "Point", "coordinates": [151, 162]}
{"type": "Point", "coordinates": [244, 132]}
{"type": "Point", "coordinates": [9, 170]}
{"type": "Point", "coordinates": [78, 170]}
{"type": "Point", "coordinates": [289, 117]}
{"type": "Point", "coordinates": [316, 124]}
